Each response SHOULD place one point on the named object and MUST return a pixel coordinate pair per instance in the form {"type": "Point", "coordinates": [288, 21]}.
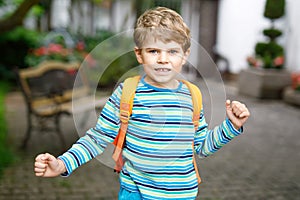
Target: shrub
{"type": "Point", "coordinates": [6, 155]}
{"type": "Point", "coordinates": [274, 9]}
{"type": "Point", "coordinates": [114, 57]}
{"type": "Point", "coordinates": [270, 54]}
{"type": "Point", "coordinates": [14, 46]}
{"type": "Point", "coordinates": [272, 33]}
{"type": "Point", "coordinates": [108, 61]}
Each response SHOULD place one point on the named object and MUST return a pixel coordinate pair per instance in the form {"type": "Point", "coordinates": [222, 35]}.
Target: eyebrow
{"type": "Point", "coordinates": [173, 48]}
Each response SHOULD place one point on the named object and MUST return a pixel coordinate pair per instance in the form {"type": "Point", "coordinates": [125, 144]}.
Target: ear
{"type": "Point", "coordinates": [138, 54]}
{"type": "Point", "coordinates": [186, 55]}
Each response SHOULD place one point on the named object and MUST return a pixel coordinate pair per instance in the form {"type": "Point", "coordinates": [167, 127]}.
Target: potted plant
{"type": "Point", "coordinates": [266, 73]}
{"type": "Point", "coordinates": [291, 94]}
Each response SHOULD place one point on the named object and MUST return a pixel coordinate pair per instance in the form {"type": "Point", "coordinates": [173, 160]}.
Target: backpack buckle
{"type": "Point", "coordinates": [124, 112]}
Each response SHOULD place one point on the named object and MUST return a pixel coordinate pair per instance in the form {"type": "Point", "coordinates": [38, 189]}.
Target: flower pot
{"type": "Point", "coordinates": [291, 96]}
{"type": "Point", "coordinates": [263, 83]}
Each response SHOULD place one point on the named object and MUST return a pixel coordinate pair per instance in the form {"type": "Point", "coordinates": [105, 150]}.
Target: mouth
{"type": "Point", "coordinates": [162, 70]}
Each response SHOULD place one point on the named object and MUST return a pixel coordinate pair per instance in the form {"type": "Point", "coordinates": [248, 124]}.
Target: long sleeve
{"type": "Point", "coordinates": [95, 140]}
{"type": "Point", "coordinates": [208, 141]}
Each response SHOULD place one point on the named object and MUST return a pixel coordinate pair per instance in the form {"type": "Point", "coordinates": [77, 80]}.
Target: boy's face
{"type": "Point", "coordinates": [162, 62]}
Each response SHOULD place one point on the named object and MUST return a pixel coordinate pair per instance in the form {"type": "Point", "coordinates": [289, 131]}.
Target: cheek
{"type": "Point", "coordinates": [147, 69]}
{"type": "Point", "coordinates": [178, 64]}
{"type": "Point", "coordinates": [150, 61]}
{"type": "Point", "coordinates": [146, 59]}
{"type": "Point", "coordinates": [178, 68]}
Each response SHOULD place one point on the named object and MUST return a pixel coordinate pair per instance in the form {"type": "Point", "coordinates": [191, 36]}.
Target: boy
{"type": "Point", "coordinates": [160, 138]}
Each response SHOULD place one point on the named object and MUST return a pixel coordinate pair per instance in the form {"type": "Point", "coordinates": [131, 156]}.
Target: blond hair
{"type": "Point", "coordinates": [163, 24]}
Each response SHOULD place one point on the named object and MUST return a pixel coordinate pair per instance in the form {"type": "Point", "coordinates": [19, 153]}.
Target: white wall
{"type": "Point", "coordinates": [240, 26]}
{"type": "Point", "coordinates": [102, 18]}
{"type": "Point", "coordinates": [293, 35]}
{"type": "Point", "coordinates": [60, 16]}
{"type": "Point", "coordinates": [123, 16]}
{"type": "Point", "coordinates": [190, 14]}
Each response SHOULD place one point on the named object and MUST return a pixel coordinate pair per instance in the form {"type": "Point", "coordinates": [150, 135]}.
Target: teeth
{"type": "Point", "coordinates": [162, 70]}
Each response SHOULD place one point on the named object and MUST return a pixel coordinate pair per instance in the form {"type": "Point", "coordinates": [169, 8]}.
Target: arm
{"type": "Point", "coordinates": [96, 139]}
{"type": "Point", "coordinates": [209, 141]}
{"type": "Point", "coordinates": [90, 145]}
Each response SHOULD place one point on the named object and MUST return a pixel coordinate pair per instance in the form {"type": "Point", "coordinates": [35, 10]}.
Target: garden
{"type": "Point", "coordinates": [24, 46]}
{"type": "Point", "coordinates": [21, 48]}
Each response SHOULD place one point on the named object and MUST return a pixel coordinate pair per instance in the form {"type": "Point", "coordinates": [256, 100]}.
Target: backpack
{"type": "Point", "coordinates": [126, 104]}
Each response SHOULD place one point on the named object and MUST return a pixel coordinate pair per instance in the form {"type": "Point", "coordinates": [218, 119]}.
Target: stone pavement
{"type": "Point", "coordinates": [262, 164]}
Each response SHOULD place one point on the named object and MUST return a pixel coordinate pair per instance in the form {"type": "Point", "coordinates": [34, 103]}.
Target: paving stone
{"type": "Point", "coordinates": [261, 164]}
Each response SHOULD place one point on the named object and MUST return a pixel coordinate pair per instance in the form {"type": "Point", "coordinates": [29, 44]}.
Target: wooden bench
{"type": "Point", "coordinates": [50, 90]}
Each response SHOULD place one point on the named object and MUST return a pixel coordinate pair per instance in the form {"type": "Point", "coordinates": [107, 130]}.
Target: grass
{"type": "Point", "coordinates": [6, 155]}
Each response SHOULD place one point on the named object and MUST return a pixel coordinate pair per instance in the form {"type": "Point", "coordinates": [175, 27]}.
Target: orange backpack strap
{"type": "Point", "coordinates": [197, 101]}
{"type": "Point", "coordinates": [126, 103]}
{"type": "Point", "coordinates": [197, 106]}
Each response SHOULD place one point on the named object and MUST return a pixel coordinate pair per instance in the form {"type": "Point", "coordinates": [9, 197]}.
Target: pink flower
{"type": "Point", "coordinates": [80, 46]}
{"type": "Point", "coordinates": [278, 61]}
{"type": "Point", "coordinates": [252, 61]}
{"type": "Point", "coordinates": [72, 71]}
{"type": "Point", "coordinates": [55, 48]}
{"type": "Point", "coordinates": [295, 80]}
{"type": "Point", "coordinates": [42, 51]}
{"type": "Point", "coordinates": [57, 52]}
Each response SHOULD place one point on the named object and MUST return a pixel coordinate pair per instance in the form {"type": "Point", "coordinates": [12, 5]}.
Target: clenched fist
{"type": "Point", "coordinates": [237, 113]}
{"type": "Point", "coordinates": [46, 165]}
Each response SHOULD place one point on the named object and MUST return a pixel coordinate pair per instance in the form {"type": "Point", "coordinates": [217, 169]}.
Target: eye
{"type": "Point", "coordinates": [173, 51]}
{"type": "Point", "coordinates": [153, 51]}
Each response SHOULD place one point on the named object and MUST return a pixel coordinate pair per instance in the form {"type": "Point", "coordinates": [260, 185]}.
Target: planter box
{"type": "Point", "coordinates": [291, 96]}
{"type": "Point", "coordinates": [263, 83]}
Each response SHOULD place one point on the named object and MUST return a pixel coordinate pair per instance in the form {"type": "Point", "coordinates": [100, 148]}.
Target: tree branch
{"type": "Point", "coordinates": [16, 19]}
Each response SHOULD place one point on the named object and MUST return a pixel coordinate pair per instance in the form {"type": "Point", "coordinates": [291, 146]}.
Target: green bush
{"type": "Point", "coordinates": [274, 9]}
{"type": "Point", "coordinates": [117, 69]}
{"type": "Point", "coordinates": [272, 33]}
{"type": "Point", "coordinates": [114, 57]}
{"type": "Point", "coordinates": [270, 54]}
{"type": "Point", "coordinates": [92, 41]}
{"type": "Point", "coordinates": [6, 155]}
{"type": "Point", "coordinates": [271, 49]}
{"type": "Point", "coordinates": [14, 46]}
{"type": "Point", "coordinates": [18, 45]}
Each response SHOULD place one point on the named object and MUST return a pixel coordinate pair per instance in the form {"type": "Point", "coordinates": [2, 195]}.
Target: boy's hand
{"type": "Point", "coordinates": [47, 165]}
{"type": "Point", "coordinates": [237, 113]}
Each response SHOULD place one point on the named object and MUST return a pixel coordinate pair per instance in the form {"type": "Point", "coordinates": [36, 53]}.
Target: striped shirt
{"type": "Point", "coordinates": [158, 150]}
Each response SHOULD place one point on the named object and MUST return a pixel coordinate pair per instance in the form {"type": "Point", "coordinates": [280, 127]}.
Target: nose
{"type": "Point", "coordinates": [163, 58]}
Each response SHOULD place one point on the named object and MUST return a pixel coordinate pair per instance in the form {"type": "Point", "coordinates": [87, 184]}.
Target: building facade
{"type": "Point", "coordinates": [226, 28]}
